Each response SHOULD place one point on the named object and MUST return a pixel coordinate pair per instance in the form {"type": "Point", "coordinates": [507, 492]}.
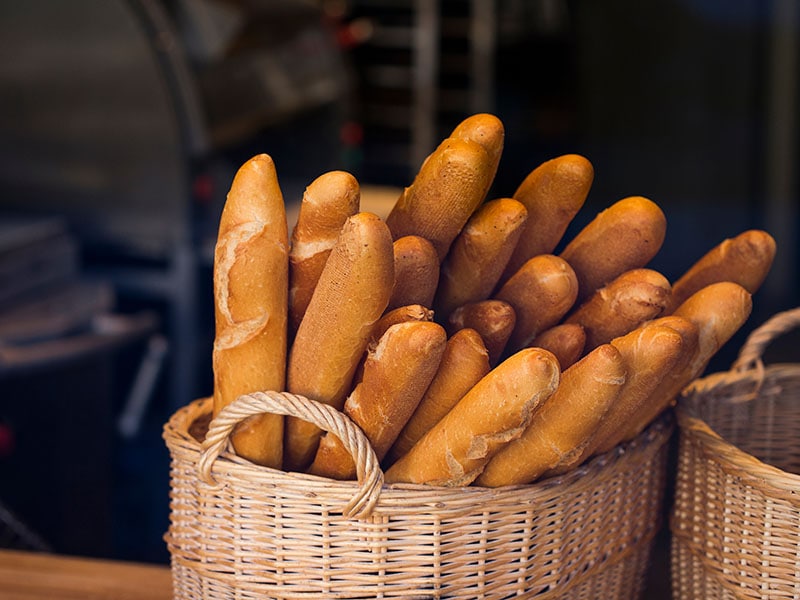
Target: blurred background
{"type": "Point", "coordinates": [122, 123]}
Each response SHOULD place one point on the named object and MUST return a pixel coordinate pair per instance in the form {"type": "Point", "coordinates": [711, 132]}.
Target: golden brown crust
{"type": "Point", "coordinates": [351, 295]}
{"type": "Point", "coordinates": [541, 292]}
{"type": "Point", "coordinates": [250, 293]}
{"type": "Point", "coordinates": [553, 193]}
{"type": "Point", "coordinates": [744, 259]}
{"type": "Point", "coordinates": [488, 131]}
{"type": "Point", "coordinates": [449, 187]}
{"type": "Point", "coordinates": [629, 300]}
{"type": "Point", "coordinates": [493, 320]}
{"type": "Point", "coordinates": [327, 203]}
{"type": "Point", "coordinates": [479, 254]}
{"type": "Point", "coordinates": [464, 362]}
{"type": "Point", "coordinates": [495, 411]}
{"type": "Point", "coordinates": [564, 423]}
{"type": "Point", "coordinates": [565, 340]}
{"type": "Point", "coordinates": [397, 372]}
{"type": "Point", "coordinates": [624, 236]}
{"type": "Point", "coordinates": [416, 272]}
{"type": "Point", "coordinates": [717, 311]}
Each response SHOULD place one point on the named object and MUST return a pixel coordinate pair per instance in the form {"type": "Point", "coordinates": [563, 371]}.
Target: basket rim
{"type": "Point", "coordinates": [176, 434]}
{"type": "Point", "coordinates": [731, 458]}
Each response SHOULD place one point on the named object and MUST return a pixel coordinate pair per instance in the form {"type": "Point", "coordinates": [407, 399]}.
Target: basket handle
{"type": "Point", "coordinates": [752, 350]}
{"type": "Point", "coordinates": [368, 471]}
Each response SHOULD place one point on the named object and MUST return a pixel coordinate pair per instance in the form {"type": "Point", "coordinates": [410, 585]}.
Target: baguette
{"type": "Point", "coordinates": [653, 353]}
{"type": "Point", "coordinates": [627, 235]}
{"type": "Point", "coordinates": [626, 302]}
{"type": "Point", "coordinates": [396, 374]}
{"type": "Point", "coordinates": [449, 187]}
{"type": "Point", "coordinates": [744, 259]}
{"type": "Point", "coordinates": [494, 412]}
{"type": "Point", "coordinates": [465, 361]}
{"type": "Point", "coordinates": [401, 314]}
{"type": "Point", "coordinates": [327, 203]}
{"type": "Point", "coordinates": [479, 254]}
{"type": "Point", "coordinates": [351, 295]}
{"type": "Point", "coordinates": [564, 423]}
{"type": "Point", "coordinates": [553, 193]}
{"type": "Point", "coordinates": [493, 319]}
{"type": "Point", "coordinates": [541, 293]}
{"type": "Point", "coordinates": [251, 281]}
{"type": "Point", "coordinates": [488, 131]}
{"type": "Point", "coordinates": [416, 272]}
{"type": "Point", "coordinates": [565, 340]}
{"type": "Point", "coordinates": [718, 311]}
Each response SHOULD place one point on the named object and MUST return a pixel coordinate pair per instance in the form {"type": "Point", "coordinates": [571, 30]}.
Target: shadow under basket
{"type": "Point", "coordinates": [735, 520]}
{"type": "Point", "coordinates": [238, 530]}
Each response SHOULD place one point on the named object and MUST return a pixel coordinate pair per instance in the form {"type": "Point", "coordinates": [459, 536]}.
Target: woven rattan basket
{"type": "Point", "coordinates": [735, 521]}
{"type": "Point", "coordinates": [241, 531]}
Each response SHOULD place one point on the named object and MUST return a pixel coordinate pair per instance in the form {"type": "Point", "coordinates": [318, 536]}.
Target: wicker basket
{"type": "Point", "coordinates": [735, 521]}
{"type": "Point", "coordinates": [241, 531]}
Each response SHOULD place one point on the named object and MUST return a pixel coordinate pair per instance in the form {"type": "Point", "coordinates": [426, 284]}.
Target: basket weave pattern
{"type": "Point", "coordinates": [736, 516]}
{"type": "Point", "coordinates": [241, 531]}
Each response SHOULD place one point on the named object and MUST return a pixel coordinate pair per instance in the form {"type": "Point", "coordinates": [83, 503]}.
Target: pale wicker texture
{"type": "Point", "coordinates": [736, 516]}
{"type": "Point", "coordinates": [241, 531]}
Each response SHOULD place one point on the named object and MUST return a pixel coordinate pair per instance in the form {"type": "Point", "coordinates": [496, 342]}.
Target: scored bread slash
{"type": "Point", "coordinates": [718, 311]}
{"type": "Point", "coordinates": [397, 372]}
{"type": "Point", "coordinates": [564, 423]}
{"type": "Point", "coordinates": [464, 362]}
{"type": "Point", "coordinates": [626, 235]}
{"type": "Point", "coordinates": [541, 292]}
{"type": "Point", "coordinates": [493, 320]}
{"type": "Point", "coordinates": [449, 187]}
{"type": "Point", "coordinates": [552, 193]}
{"type": "Point", "coordinates": [351, 295]}
{"type": "Point", "coordinates": [744, 259]}
{"type": "Point", "coordinates": [479, 254]}
{"type": "Point", "coordinates": [327, 203]}
{"type": "Point", "coordinates": [565, 340]}
{"type": "Point", "coordinates": [493, 413]}
{"type": "Point", "coordinates": [652, 352]}
{"type": "Point", "coordinates": [416, 272]}
{"type": "Point", "coordinates": [649, 353]}
{"type": "Point", "coordinates": [626, 302]}
{"type": "Point", "coordinates": [251, 283]}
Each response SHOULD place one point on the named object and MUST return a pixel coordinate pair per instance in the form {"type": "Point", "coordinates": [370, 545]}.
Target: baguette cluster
{"type": "Point", "coordinates": [451, 332]}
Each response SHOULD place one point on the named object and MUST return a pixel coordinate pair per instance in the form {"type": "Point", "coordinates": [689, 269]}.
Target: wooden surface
{"type": "Point", "coordinates": [35, 576]}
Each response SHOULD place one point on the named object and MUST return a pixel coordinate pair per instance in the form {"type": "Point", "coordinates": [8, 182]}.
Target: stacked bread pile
{"type": "Point", "coordinates": [450, 332]}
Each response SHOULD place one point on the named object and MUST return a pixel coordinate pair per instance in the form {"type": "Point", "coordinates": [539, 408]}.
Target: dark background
{"type": "Point", "coordinates": [122, 123]}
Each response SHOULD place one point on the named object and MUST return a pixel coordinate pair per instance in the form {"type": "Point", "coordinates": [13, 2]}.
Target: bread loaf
{"type": "Point", "coordinates": [479, 254]}
{"type": "Point", "coordinates": [744, 259]}
{"type": "Point", "coordinates": [351, 295]}
{"type": "Point", "coordinates": [629, 300]}
{"type": "Point", "coordinates": [494, 412]}
{"type": "Point", "coordinates": [449, 187]}
{"type": "Point", "coordinates": [564, 423]}
{"type": "Point", "coordinates": [465, 361]}
{"type": "Point", "coordinates": [327, 203]}
{"type": "Point", "coordinates": [651, 353]}
{"type": "Point", "coordinates": [565, 340]}
{"type": "Point", "coordinates": [627, 235]}
{"type": "Point", "coordinates": [718, 311]}
{"type": "Point", "coordinates": [488, 131]}
{"type": "Point", "coordinates": [416, 272]}
{"type": "Point", "coordinates": [493, 320]}
{"type": "Point", "coordinates": [251, 281]}
{"type": "Point", "coordinates": [396, 374]}
{"type": "Point", "coordinates": [553, 193]}
{"type": "Point", "coordinates": [541, 292]}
